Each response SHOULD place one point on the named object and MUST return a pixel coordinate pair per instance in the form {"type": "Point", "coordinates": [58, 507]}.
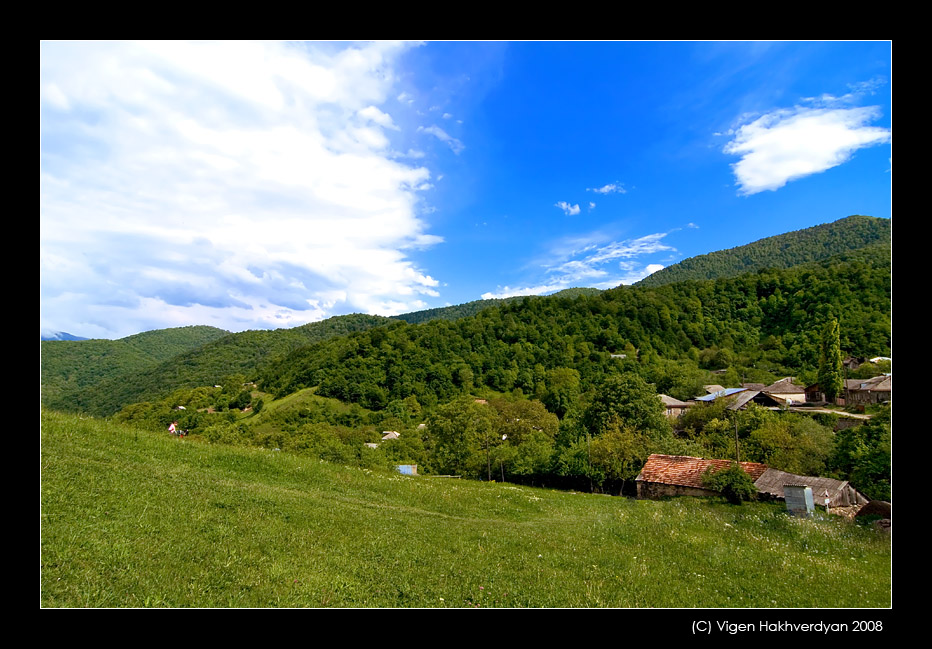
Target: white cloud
{"type": "Point", "coordinates": [569, 210]}
{"type": "Point", "coordinates": [789, 144]}
{"type": "Point", "coordinates": [591, 260]}
{"type": "Point", "coordinates": [507, 291]}
{"type": "Point", "coordinates": [610, 188]}
{"type": "Point", "coordinates": [376, 116]}
{"type": "Point", "coordinates": [243, 185]}
{"type": "Point", "coordinates": [455, 145]}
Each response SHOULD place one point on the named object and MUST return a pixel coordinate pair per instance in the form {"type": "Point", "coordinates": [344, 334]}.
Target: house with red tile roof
{"type": "Point", "coordinates": [681, 475]}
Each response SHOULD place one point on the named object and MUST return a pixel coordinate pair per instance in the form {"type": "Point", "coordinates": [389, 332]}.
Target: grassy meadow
{"type": "Point", "coordinates": [139, 519]}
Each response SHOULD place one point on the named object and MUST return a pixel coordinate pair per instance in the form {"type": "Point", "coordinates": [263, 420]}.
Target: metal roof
{"type": "Point", "coordinates": [727, 392]}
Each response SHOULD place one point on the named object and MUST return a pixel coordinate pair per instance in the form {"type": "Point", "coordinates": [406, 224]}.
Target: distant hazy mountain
{"type": "Point", "coordinates": [782, 251]}
{"type": "Point", "coordinates": [60, 335]}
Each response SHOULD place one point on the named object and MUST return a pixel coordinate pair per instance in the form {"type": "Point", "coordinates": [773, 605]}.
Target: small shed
{"type": "Point", "coordinates": [390, 434]}
{"type": "Point", "coordinates": [681, 475]}
{"type": "Point", "coordinates": [840, 493]}
{"type": "Point", "coordinates": [407, 469]}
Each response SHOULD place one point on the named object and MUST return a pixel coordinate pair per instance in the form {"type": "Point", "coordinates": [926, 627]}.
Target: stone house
{"type": "Point", "coordinates": [681, 475]}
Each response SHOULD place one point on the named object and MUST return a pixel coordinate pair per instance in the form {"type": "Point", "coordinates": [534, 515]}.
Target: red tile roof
{"type": "Point", "coordinates": [685, 471]}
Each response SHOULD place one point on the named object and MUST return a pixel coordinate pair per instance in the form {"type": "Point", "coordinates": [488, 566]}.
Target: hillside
{"type": "Point", "coordinates": [246, 353]}
{"type": "Point", "coordinates": [781, 251]}
{"type": "Point", "coordinates": [67, 367]}
{"type": "Point", "coordinates": [764, 323]}
{"type": "Point", "coordinates": [768, 320]}
{"type": "Point", "coordinates": [136, 519]}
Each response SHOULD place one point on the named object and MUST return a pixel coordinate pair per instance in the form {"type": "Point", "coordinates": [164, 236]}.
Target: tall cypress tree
{"type": "Point", "coordinates": [831, 377]}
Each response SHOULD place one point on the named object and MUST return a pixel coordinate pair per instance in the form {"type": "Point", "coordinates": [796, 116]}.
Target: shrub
{"type": "Point", "coordinates": [733, 483]}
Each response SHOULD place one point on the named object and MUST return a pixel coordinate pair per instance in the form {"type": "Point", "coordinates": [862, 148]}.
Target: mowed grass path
{"type": "Point", "coordinates": [136, 519]}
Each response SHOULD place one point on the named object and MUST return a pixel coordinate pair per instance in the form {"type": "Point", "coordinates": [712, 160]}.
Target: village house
{"type": "Point", "coordinates": [852, 363]}
{"type": "Point", "coordinates": [716, 394]}
{"type": "Point", "coordinates": [742, 399]}
{"type": "Point", "coordinates": [857, 391]}
{"type": "Point", "coordinates": [779, 394]}
{"type": "Point", "coordinates": [865, 391]}
{"type": "Point", "coordinates": [674, 407]}
{"type": "Point", "coordinates": [681, 475]}
{"type": "Point", "coordinates": [786, 390]}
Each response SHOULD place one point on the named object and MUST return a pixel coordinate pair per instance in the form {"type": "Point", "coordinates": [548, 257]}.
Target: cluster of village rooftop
{"type": "Point", "coordinates": [669, 475]}
{"type": "Point", "coordinates": [679, 475]}
{"type": "Point", "coordinates": [787, 394]}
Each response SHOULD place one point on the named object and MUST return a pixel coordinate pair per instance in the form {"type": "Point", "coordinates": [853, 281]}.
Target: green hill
{"type": "Point", "coordinates": [67, 367]}
{"type": "Point", "coordinates": [781, 251]}
{"type": "Point", "coordinates": [130, 518]}
{"type": "Point", "coordinates": [247, 353]}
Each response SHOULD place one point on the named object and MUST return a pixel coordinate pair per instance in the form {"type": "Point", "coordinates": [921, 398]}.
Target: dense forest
{"type": "Point", "coordinates": [69, 367]}
{"type": "Point", "coordinates": [756, 325]}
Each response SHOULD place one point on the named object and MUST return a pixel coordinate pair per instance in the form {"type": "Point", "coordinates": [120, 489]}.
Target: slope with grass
{"type": "Point", "coordinates": [137, 519]}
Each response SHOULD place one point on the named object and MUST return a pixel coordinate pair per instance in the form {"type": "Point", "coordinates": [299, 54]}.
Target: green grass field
{"type": "Point", "coordinates": [139, 519]}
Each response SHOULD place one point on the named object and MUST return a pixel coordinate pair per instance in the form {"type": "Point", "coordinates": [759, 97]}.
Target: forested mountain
{"type": "Point", "coordinates": [246, 353]}
{"type": "Point", "coordinates": [781, 251]}
{"type": "Point", "coordinates": [70, 366]}
{"type": "Point", "coordinates": [769, 320]}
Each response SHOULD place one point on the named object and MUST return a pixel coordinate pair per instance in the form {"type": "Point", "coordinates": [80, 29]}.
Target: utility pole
{"type": "Point", "coordinates": [737, 450]}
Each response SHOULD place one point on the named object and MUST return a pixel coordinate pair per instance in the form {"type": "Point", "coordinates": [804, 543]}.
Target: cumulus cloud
{"type": "Point", "coordinates": [785, 145]}
{"type": "Point", "coordinates": [569, 210]}
{"type": "Point", "coordinates": [243, 185]}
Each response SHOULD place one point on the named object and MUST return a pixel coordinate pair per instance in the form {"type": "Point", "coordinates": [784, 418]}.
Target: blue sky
{"type": "Point", "coordinates": [256, 185]}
